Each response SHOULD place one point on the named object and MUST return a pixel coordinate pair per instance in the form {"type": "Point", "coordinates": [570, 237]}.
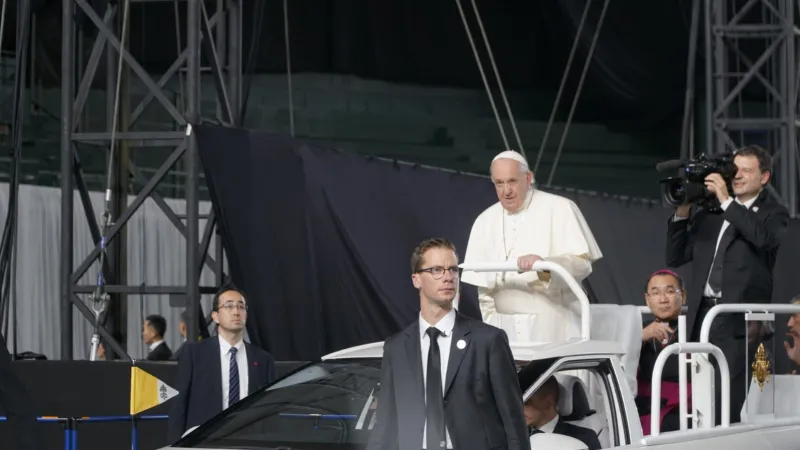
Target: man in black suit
{"type": "Point", "coordinates": [182, 331]}
{"type": "Point", "coordinates": [16, 404]}
{"type": "Point", "coordinates": [463, 367]}
{"type": "Point", "coordinates": [217, 372]}
{"type": "Point", "coordinates": [153, 331]}
{"type": "Point", "coordinates": [732, 257]}
{"type": "Point", "coordinates": [542, 416]}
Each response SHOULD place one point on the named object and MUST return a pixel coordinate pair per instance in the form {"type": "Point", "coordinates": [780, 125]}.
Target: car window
{"type": "Point", "coordinates": [330, 403]}
{"type": "Point", "coordinates": [583, 398]}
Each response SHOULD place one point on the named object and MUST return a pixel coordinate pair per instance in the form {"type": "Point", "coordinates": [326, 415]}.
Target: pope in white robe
{"type": "Point", "coordinates": [527, 225]}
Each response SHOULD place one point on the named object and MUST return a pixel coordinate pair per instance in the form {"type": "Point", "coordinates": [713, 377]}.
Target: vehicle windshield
{"type": "Point", "coordinates": [326, 405]}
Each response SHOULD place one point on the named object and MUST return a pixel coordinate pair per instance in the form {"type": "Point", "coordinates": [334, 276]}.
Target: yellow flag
{"type": "Point", "coordinates": [148, 391]}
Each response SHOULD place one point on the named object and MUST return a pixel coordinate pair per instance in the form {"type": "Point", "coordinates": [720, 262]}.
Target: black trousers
{"type": "Point", "coordinates": [728, 333]}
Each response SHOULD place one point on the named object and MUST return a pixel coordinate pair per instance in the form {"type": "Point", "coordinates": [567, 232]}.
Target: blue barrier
{"type": "Point", "coordinates": [71, 429]}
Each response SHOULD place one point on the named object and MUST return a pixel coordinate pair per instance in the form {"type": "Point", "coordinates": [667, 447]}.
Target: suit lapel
{"type": "Point", "coordinates": [252, 370]}
{"type": "Point", "coordinates": [216, 374]}
{"type": "Point", "coordinates": [414, 355]}
{"type": "Point", "coordinates": [460, 332]}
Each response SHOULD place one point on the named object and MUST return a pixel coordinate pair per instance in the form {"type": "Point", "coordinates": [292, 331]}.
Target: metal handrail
{"type": "Point", "coordinates": [727, 308]}
{"type": "Point", "coordinates": [543, 266]}
{"type": "Point", "coordinates": [658, 368]}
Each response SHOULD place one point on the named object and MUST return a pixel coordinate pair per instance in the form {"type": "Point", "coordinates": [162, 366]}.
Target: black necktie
{"type": "Point", "coordinates": [536, 431]}
{"type": "Point", "coordinates": [434, 399]}
{"type": "Point", "coordinates": [715, 276]}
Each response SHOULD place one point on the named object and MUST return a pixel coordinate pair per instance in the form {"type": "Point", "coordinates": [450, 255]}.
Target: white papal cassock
{"type": "Point", "coordinates": [526, 307]}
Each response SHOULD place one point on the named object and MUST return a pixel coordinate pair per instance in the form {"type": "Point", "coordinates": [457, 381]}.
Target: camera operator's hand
{"type": "Point", "coordinates": [716, 185]}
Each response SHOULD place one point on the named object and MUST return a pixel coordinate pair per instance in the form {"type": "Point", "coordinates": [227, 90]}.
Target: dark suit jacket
{"type": "Point", "coordinates": [582, 434]}
{"type": "Point", "coordinates": [199, 383]}
{"type": "Point", "coordinates": [177, 354]}
{"type": "Point", "coordinates": [482, 397]}
{"type": "Point", "coordinates": [16, 404]}
{"type": "Point", "coordinates": [160, 353]}
{"type": "Point", "coordinates": [749, 259]}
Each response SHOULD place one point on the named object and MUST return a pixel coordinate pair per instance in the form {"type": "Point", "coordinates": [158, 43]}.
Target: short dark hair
{"type": "Point", "coordinates": [157, 323]}
{"type": "Point", "coordinates": [760, 153]}
{"type": "Point", "coordinates": [185, 317]}
{"type": "Point", "coordinates": [224, 289]}
{"type": "Point", "coordinates": [550, 388]}
{"type": "Point", "coordinates": [419, 252]}
{"type": "Point", "coordinates": [663, 272]}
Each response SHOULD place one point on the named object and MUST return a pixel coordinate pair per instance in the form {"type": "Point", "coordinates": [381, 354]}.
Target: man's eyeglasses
{"type": "Point", "coordinates": [669, 292]}
{"type": "Point", "coordinates": [230, 306]}
{"type": "Point", "coordinates": [438, 271]}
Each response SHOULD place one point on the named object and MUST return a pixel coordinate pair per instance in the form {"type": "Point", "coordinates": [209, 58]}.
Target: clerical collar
{"type": "Point", "coordinates": [524, 206]}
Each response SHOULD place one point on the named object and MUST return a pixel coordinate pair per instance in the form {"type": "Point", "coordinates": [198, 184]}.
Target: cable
{"type": "Point", "coordinates": [99, 297]}
{"type": "Point", "coordinates": [499, 80]}
{"type": "Point", "coordinates": [578, 92]}
{"type": "Point", "coordinates": [9, 241]}
{"type": "Point", "coordinates": [288, 64]}
{"type": "Point", "coordinates": [258, 22]}
{"type": "Point", "coordinates": [562, 85]}
{"type": "Point", "coordinates": [483, 74]}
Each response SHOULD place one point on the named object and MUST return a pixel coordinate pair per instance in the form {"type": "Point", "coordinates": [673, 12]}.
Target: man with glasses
{"type": "Point", "coordinates": [218, 372]}
{"type": "Point", "coordinates": [448, 381]}
{"type": "Point", "coordinates": [527, 225]}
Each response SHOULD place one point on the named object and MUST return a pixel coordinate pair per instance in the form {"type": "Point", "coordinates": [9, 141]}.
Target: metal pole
{"type": "Point", "coordinates": [192, 206]}
{"type": "Point", "coordinates": [788, 75]}
{"type": "Point", "coordinates": [67, 88]}
{"type": "Point", "coordinates": [235, 59]}
{"type": "Point", "coordinates": [709, 80]}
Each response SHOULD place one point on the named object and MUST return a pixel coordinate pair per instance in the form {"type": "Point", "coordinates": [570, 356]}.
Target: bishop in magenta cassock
{"type": "Point", "coordinates": [527, 225]}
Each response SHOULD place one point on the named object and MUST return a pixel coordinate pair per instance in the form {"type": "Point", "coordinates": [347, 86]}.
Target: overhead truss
{"type": "Point", "coordinates": [213, 30]}
{"type": "Point", "coordinates": [752, 82]}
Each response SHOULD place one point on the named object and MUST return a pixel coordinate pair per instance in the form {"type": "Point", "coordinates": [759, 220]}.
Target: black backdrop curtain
{"type": "Point", "coordinates": [320, 240]}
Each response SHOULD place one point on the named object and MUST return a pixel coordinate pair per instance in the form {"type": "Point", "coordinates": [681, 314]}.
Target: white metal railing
{"type": "Point", "coordinates": [712, 314]}
{"type": "Point", "coordinates": [543, 266]}
{"type": "Point", "coordinates": [658, 368]}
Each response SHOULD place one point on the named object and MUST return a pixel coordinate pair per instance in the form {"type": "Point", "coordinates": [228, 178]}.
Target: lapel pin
{"type": "Point", "coordinates": [461, 344]}
{"type": "Point", "coordinates": [755, 208]}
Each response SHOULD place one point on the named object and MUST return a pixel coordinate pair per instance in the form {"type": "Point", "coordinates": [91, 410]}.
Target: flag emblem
{"type": "Point", "coordinates": [148, 391]}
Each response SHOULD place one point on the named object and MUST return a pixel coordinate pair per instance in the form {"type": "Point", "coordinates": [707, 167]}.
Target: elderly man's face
{"type": "Point", "coordinates": [511, 183]}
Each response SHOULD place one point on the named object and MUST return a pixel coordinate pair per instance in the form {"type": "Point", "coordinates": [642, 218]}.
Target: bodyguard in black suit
{"type": "Point", "coordinates": [153, 331]}
{"type": "Point", "coordinates": [462, 367]}
{"type": "Point", "coordinates": [219, 371]}
{"type": "Point", "coordinates": [732, 256]}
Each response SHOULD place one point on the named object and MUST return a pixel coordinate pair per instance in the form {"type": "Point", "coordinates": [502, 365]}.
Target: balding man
{"type": "Point", "coordinates": [527, 225]}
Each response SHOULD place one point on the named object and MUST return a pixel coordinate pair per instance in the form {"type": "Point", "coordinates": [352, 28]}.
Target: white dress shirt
{"type": "Point", "coordinates": [708, 292]}
{"type": "Point", "coordinates": [155, 344]}
{"type": "Point", "coordinates": [445, 325]}
{"type": "Point", "coordinates": [225, 363]}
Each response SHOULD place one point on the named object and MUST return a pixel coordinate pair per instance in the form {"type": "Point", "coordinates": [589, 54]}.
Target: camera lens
{"type": "Point", "coordinates": [676, 193]}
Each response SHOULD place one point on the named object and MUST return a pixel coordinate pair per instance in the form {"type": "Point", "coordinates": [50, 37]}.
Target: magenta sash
{"type": "Point", "coordinates": [669, 392]}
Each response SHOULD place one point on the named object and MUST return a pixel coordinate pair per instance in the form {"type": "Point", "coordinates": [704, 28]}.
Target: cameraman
{"type": "Point", "coordinates": [732, 256]}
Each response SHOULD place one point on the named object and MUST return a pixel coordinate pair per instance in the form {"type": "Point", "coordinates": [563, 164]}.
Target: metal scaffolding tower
{"type": "Point", "coordinates": [753, 53]}
{"type": "Point", "coordinates": [219, 37]}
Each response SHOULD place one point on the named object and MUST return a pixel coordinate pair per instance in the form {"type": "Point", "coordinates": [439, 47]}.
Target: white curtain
{"type": "Point", "coordinates": [156, 257]}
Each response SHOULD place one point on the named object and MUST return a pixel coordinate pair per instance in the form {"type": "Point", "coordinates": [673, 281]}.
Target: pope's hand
{"type": "Point", "coordinates": [526, 262]}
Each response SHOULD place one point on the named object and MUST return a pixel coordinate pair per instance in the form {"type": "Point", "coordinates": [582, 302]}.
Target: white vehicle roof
{"type": "Point", "coordinates": [522, 351]}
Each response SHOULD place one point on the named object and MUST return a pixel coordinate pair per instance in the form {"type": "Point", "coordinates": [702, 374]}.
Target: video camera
{"type": "Point", "coordinates": [690, 186]}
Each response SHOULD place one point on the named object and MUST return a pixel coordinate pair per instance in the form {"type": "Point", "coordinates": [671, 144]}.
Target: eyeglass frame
{"type": "Point", "coordinates": [230, 305]}
{"type": "Point", "coordinates": [455, 271]}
